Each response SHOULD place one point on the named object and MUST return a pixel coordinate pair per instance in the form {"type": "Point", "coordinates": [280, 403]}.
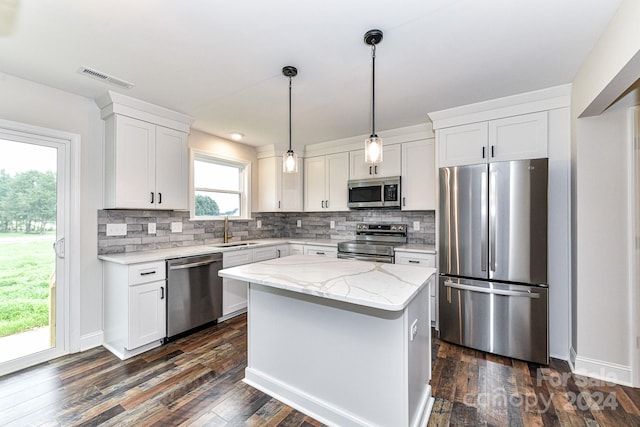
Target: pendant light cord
{"type": "Point", "coordinates": [373, 90]}
{"type": "Point", "coordinates": [290, 114]}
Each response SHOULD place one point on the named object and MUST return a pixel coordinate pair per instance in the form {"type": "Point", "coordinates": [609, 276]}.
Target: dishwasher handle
{"type": "Point", "coordinates": [504, 292]}
{"type": "Point", "coordinates": [193, 264]}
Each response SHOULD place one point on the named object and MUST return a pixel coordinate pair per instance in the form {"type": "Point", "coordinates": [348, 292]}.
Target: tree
{"type": "Point", "coordinates": [31, 200]}
{"type": "Point", "coordinates": [206, 206]}
{"type": "Point", "coordinates": [5, 185]}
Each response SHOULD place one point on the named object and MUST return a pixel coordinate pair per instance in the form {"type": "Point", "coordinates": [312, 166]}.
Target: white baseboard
{"type": "Point", "coordinates": [605, 371]}
{"type": "Point", "coordinates": [92, 340]}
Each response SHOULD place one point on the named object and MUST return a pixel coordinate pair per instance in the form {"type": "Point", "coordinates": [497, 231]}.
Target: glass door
{"type": "Point", "coordinates": [32, 288]}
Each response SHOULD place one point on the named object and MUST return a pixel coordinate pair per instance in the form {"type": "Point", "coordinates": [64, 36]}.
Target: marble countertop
{"type": "Point", "coordinates": [384, 286]}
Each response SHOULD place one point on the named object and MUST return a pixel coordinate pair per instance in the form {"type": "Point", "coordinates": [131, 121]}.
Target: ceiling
{"type": "Point", "coordinates": [221, 61]}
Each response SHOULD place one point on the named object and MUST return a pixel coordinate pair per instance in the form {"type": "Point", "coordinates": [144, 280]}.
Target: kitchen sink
{"type": "Point", "coordinates": [231, 245]}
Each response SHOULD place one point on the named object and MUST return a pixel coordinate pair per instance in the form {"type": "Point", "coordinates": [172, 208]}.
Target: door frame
{"type": "Point", "coordinates": [633, 243]}
{"type": "Point", "coordinates": [70, 292]}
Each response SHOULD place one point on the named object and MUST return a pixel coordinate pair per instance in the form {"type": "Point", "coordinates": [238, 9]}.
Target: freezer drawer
{"type": "Point", "coordinates": [505, 319]}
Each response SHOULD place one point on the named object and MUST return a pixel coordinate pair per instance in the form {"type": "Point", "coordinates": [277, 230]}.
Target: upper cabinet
{"type": "Point", "coordinates": [325, 182]}
{"type": "Point", "coordinates": [278, 191]}
{"type": "Point", "coordinates": [512, 138]}
{"type": "Point", "coordinates": [390, 166]}
{"type": "Point", "coordinates": [146, 164]}
{"type": "Point", "coordinates": [418, 175]}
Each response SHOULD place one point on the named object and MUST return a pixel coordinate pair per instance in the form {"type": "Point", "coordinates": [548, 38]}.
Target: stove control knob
{"type": "Point", "coordinates": [393, 228]}
{"type": "Point", "coordinates": [400, 228]}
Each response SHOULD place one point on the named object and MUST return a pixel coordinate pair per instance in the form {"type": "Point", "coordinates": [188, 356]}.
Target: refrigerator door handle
{"type": "Point", "coordinates": [483, 220]}
{"type": "Point", "coordinates": [493, 205]}
{"type": "Point", "coordinates": [525, 294]}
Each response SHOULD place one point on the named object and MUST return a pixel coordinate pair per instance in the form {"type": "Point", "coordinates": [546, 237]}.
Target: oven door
{"type": "Point", "coordinates": [365, 257]}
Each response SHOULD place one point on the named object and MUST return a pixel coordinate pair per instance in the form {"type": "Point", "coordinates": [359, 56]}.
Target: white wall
{"type": "Point", "coordinates": [600, 287]}
{"type": "Point", "coordinates": [35, 104]}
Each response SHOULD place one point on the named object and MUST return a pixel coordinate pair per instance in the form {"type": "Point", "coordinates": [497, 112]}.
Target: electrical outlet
{"type": "Point", "coordinates": [414, 330]}
{"type": "Point", "coordinates": [116, 229]}
{"type": "Point", "coordinates": [152, 228]}
{"type": "Point", "coordinates": [332, 224]}
{"type": "Point", "coordinates": [416, 225]}
{"type": "Point", "coordinates": [299, 223]}
{"type": "Point", "coordinates": [176, 227]}
{"type": "Point", "coordinates": [258, 224]}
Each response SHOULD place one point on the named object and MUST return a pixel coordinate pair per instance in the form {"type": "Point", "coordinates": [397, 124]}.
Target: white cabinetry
{"type": "Point", "coordinates": [134, 307]}
{"type": "Point", "coordinates": [418, 175]}
{"type": "Point", "coordinates": [327, 251]}
{"type": "Point", "coordinates": [325, 182]}
{"type": "Point", "coordinates": [424, 260]}
{"type": "Point", "coordinates": [146, 165]}
{"type": "Point", "coordinates": [296, 249]}
{"type": "Point", "coordinates": [282, 251]}
{"type": "Point", "coordinates": [512, 138]}
{"type": "Point", "coordinates": [278, 191]}
{"type": "Point", "coordinates": [234, 292]}
{"type": "Point", "coordinates": [390, 166]}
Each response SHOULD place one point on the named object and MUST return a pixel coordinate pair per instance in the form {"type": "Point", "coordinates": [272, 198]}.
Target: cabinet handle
{"type": "Point", "coordinates": [492, 153]}
{"type": "Point", "coordinates": [319, 253]}
{"type": "Point", "coordinates": [278, 252]}
{"type": "Point", "coordinates": [152, 197]}
{"type": "Point", "coordinates": [404, 201]}
{"type": "Point", "coordinates": [322, 204]}
{"type": "Point", "coordinates": [369, 170]}
{"type": "Point", "coordinates": [375, 169]}
{"type": "Point", "coordinates": [326, 204]}
{"type": "Point", "coordinates": [412, 261]}
{"type": "Point", "coordinates": [483, 152]}
{"type": "Point", "coordinates": [278, 204]}
{"type": "Point", "coordinates": [161, 292]}
{"type": "Point", "coordinates": [146, 273]}
{"type": "Point", "coordinates": [159, 198]}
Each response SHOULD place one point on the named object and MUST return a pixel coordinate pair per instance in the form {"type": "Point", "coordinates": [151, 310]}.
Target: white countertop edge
{"type": "Point", "coordinates": [183, 251]}
{"type": "Point", "coordinates": [427, 249]}
{"type": "Point", "coordinates": [232, 273]}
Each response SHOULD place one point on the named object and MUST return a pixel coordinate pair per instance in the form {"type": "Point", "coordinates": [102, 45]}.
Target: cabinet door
{"type": "Point", "coordinates": [390, 165]}
{"type": "Point", "coordinates": [262, 254]}
{"type": "Point", "coordinates": [314, 183]}
{"type": "Point", "coordinates": [147, 314]}
{"type": "Point", "coordinates": [336, 179]}
{"type": "Point", "coordinates": [519, 137]}
{"type": "Point", "coordinates": [130, 166]}
{"type": "Point", "coordinates": [268, 185]}
{"type": "Point", "coordinates": [321, 251]}
{"type": "Point", "coordinates": [171, 169]}
{"type": "Point", "coordinates": [234, 292]}
{"type": "Point", "coordinates": [462, 145]}
{"type": "Point", "coordinates": [418, 175]}
{"type": "Point", "coordinates": [282, 251]}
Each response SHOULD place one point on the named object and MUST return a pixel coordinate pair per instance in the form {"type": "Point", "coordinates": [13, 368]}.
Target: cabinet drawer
{"type": "Point", "coordinates": [424, 260]}
{"type": "Point", "coordinates": [241, 257]}
{"type": "Point", "coordinates": [321, 251]}
{"type": "Point", "coordinates": [261, 254]}
{"type": "Point", "coordinates": [147, 272]}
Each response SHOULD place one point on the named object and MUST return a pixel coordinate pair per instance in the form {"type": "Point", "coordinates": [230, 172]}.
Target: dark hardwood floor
{"type": "Point", "coordinates": [197, 381]}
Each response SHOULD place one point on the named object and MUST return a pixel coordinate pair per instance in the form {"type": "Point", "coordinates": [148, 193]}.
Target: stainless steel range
{"type": "Point", "coordinates": [374, 242]}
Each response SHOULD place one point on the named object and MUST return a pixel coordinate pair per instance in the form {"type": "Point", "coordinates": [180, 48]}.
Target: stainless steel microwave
{"type": "Point", "coordinates": [374, 193]}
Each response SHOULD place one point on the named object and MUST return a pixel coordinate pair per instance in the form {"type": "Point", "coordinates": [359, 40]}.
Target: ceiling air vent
{"type": "Point", "coordinates": [104, 77]}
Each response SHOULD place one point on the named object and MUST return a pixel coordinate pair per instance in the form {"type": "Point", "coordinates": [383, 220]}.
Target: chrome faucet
{"type": "Point", "coordinates": [227, 235]}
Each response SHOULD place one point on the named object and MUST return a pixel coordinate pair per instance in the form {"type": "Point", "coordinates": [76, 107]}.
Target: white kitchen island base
{"type": "Point", "coordinates": [341, 363]}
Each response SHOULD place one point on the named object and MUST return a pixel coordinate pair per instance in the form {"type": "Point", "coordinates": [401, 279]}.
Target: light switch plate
{"type": "Point", "coordinates": [416, 225]}
{"type": "Point", "coordinates": [116, 229]}
{"type": "Point", "coordinates": [152, 228]}
{"type": "Point", "coordinates": [176, 227]}
{"type": "Point", "coordinates": [332, 224]}
{"type": "Point", "coordinates": [299, 223]}
{"type": "Point", "coordinates": [258, 224]}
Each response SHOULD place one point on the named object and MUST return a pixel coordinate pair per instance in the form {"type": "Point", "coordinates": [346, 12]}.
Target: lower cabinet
{"type": "Point", "coordinates": [234, 292]}
{"type": "Point", "coordinates": [134, 307]}
{"type": "Point", "coordinates": [328, 251]}
{"type": "Point", "coordinates": [425, 260]}
{"type": "Point", "coordinates": [282, 251]}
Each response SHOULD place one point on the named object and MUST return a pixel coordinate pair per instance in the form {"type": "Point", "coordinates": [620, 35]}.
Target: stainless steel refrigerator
{"type": "Point", "coordinates": [493, 286]}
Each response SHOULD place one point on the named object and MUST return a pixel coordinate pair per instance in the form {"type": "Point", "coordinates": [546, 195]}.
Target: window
{"type": "Point", "coordinates": [220, 187]}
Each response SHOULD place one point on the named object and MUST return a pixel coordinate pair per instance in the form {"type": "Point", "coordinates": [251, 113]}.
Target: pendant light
{"type": "Point", "coordinates": [290, 159]}
{"type": "Point", "coordinates": [373, 144]}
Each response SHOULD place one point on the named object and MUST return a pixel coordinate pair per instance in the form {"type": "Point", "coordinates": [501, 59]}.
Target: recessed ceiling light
{"type": "Point", "coordinates": [236, 136]}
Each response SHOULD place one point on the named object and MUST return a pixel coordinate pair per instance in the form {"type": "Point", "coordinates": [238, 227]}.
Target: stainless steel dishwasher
{"type": "Point", "coordinates": [194, 293]}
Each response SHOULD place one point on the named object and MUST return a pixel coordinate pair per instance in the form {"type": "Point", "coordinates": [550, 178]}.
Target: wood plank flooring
{"type": "Point", "coordinates": [197, 381]}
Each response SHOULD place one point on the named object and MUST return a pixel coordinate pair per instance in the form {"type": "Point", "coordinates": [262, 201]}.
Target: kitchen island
{"type": "Point", "coordinates": [347, 342]}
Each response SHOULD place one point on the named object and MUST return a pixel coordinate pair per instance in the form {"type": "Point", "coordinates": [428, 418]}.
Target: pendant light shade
{"type": "Point", "coordinates": [290, 159]}
{"type": "Point", "coordinates": [373, 144]}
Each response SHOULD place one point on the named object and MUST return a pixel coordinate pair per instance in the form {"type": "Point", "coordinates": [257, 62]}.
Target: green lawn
{"type": "Point", "coordinates": [24, 284]}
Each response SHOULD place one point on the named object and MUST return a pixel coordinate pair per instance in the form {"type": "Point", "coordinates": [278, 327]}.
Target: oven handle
{"type": "Point", "coordinates": [527, 294]}
{"type": "Point", "coordinates": [387, 260]}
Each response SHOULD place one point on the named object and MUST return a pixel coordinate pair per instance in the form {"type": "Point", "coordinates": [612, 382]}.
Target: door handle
{"type": "Point", "coordinates": [492, 220]}
{"type": "Point", "coordinates": [503, 292]}
{"type": "Point", "coordinates": [485, 223]}
{"type": "Point", "coordinates": [58, 247]}
{"type": "Point", "coordinates": [193, 264]}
